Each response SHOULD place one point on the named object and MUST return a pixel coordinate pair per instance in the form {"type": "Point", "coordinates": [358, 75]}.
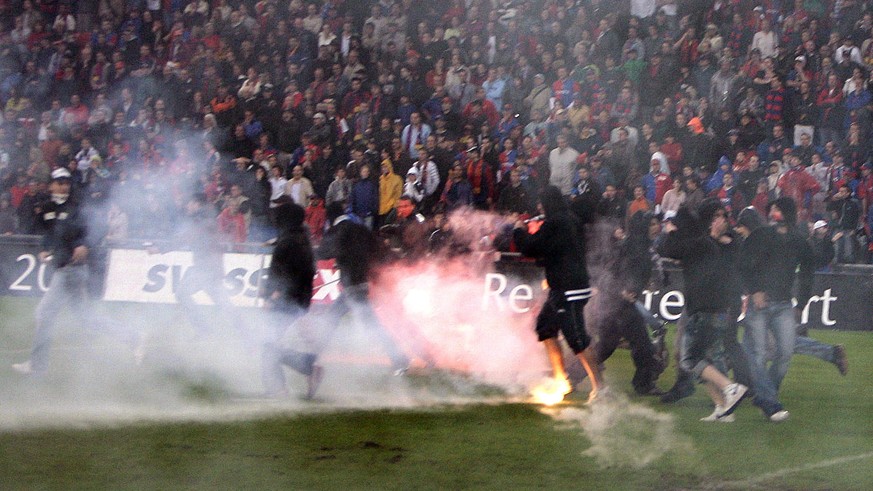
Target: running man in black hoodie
{"type": "Point", "coordinates": [698, 240]}
{"type": "Point", "coordinates": [558, 246]}
{"type": "Point", "coordinates": [289, 293]}
{"type": "Point", "coordinates": [357, 251]}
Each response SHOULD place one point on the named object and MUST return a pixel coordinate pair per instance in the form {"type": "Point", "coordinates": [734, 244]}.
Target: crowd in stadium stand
{"type": "Point", "coordinates": [635, 105]}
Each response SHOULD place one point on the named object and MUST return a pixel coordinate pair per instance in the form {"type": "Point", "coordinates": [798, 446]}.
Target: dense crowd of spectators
{"type": "Point", "coordinates": [636, 105]}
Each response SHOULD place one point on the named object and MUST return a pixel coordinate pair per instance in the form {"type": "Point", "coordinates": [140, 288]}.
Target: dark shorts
{"type": "Point", "coordinates": [563, 312]}
{"type": "Point", "coordinates": [703, 342]}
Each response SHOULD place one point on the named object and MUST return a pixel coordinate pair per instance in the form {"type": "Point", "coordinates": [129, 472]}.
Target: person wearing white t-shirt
{"type": "Point", "coordinates": [277, 185]}
{"type": "Point", "coordinates": [765, 41]}
{"type": "Point", "coordinates": [562, 165]}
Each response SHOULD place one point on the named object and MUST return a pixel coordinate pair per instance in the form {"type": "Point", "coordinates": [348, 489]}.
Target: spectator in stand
{"type": "Point", "coordinates": [299, 188]}
{"type": "Point", "coordinates": [656, 184]}
{"type": "Point", "coordinates": [639, 203]}
{"type": "Point", "coordinates": [232, 224]}
{"type": "Point", "coordinates": [562, 165]}
{"type": "Point", "coordinates": [673, 198]}
{"type": "Point", "coordinates": [845, 213]}
{"type": "Point", "coordinates": [798, 185]}
{"type": "Point", "coordinates": [775, 102]}
{"type": "Point", "coordinates": [364, 200]}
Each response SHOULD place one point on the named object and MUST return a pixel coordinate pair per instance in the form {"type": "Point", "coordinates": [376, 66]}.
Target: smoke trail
{"type": "Point", "coordinates": [624, 434]}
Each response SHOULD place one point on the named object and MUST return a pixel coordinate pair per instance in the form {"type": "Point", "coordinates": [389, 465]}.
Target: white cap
{"type": "Point", "coordinates": [61, 173]}
{"type": "Point", "coordinates": [819, 224]}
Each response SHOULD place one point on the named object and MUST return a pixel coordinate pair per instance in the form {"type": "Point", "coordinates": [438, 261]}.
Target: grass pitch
{"type": "Point", "coordinates": [113, 433]}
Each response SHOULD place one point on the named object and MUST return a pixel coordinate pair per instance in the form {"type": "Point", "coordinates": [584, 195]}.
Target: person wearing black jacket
{"type": "Point", "coordinates": [558, 246]}
{"type": "Point", "coordinates": [289, 294]}
{"type": "Point", "coordinates": [698, 240]}
{"type": "Point", "coordinates": [846, 214]}
{"type": "Point", "coordinates": [768, 263]}
{"type": "Point", "coordinates": [66, 244]}
{"type": "Point", "coordinates": [613, 311]}
{"type": "Point", "coordinates": [356, 250]}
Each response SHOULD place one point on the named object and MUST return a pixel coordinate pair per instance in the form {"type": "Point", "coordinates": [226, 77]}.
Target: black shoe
{"type": "Point", "coordinates": [676, 393]}
{"type": "Point", "coordinates": [649, 390]}
{"type": "Point", "coordinates": [841, 362]}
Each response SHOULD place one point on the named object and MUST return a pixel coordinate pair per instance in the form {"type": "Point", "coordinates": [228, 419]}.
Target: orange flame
{"type": "Point", "coordinates": [550, 391]}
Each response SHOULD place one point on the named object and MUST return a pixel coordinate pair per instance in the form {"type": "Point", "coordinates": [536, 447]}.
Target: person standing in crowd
{"type": "Point", "coordinates": [562, 165]}
{"type": "Point", "coordinates": [414, 135]}
{"type": "Point", "coordinates": [559, 245]}
{"type": "Point", "coordinates": [390, 188]}
{"type": "Point", "coordinates": [845, 212]}
{"type": "Point", "coordinates": [364, 201]}
{"type": "Point", "coordinates": [299, 188]}
{"type": "Point", "coordinates": [700, 243]}
{"type": "Point", "coordinates": [427, 179]}
{"type": "Point", "coordinates": [340, 188]}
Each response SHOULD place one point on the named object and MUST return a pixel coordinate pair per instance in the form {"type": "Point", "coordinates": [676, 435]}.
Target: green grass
{"type": "Point", "coordinates": [636, 444]}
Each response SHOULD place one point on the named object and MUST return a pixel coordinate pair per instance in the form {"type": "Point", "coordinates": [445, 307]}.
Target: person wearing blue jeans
{"type": "Point", "coordinates": [776, 318]}
{"type": "Point", "coordinates": [770, 259]}
{"type": "Point", "coordinates": [831, 353]}
{"type": "Point", "coordinates": [699, 240]}
{"type": "Point", "coordinates": [66, 244]}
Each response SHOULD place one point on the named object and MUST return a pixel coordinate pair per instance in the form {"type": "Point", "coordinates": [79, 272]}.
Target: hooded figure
{"type": "Point", "coordinates": [707, 260]}
{"type": "Point", "coordinates": [292, 267]}
{"type": "Point", "coordinates": [613, 312]}
{"type": "Point", "coordinates": [412, 187]}
{"type": "Point", "coordinates": [661, 157]}
{"type": "Point", "coordinates": [750, 218]}
{"type": "Point", "coordinates": [768, 265]}
{"type": "Point", "coordinates": [785, 211]}
{"type": "Point", "coordinates": [558, 246]}
{"type": "Point", "coordinates": [289, 293]}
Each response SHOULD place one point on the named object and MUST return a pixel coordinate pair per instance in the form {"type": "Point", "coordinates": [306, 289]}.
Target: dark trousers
{"type": "Point", "coordinates": [624, 321]}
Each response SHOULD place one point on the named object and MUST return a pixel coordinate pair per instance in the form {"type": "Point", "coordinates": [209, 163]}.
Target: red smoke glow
{"type": "Point", "coordinates": [441, 312]}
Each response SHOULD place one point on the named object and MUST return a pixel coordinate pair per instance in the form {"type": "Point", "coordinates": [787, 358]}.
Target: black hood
{"type": "Point", "coordinates": [289, 217]}
{"type": "Point", "coordinates": [688, 222]}
{"type": "Point", "coordinates": [554, 204]}
{"type": "Point", "coordinates": [787, 207]}
{"type": "Point", "coordinates": [750, 218]}
{"type": "Point", "coordinates": [707, 209]}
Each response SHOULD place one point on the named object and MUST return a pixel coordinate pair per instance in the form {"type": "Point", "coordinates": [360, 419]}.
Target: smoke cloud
{"type": "Point", "coordinates": [624, 434]}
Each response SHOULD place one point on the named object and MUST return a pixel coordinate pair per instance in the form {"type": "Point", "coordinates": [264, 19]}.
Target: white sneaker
{"type": "Point", "coordinates": [733, 395]}
{"type": "Point", "coordinates": [24, 368]}
{"type": "Point", "coordinates": [779, 416]}
{"type": "Point", "coordinates": [719, 409]}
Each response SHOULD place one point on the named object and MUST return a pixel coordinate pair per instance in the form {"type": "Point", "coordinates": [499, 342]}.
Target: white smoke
{"type": "Point", "coordinates": [434, 310]}
{"type": "Point", "coordinates": [478, 345]}
{"type": "Point", "coordinates": [624, 434]}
